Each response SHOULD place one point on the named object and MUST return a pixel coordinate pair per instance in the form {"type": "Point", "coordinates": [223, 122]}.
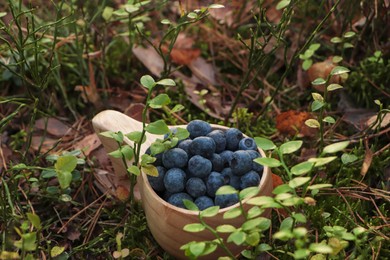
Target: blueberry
{"type": "Point", "coordinates": [233, 138]}
{"type": "Point", "coordinates": [214, 182]}
{"type": "Point", "coordinates": [185, 145]}
{"type": "Point", "coordinates": [226, 200]}
{"type": "Point", "coordinates": [231, 179]}
{"type": "Point", "coordinates": [174, 180]}
{"type": "Point", "coordinates": [204, 202]}
{"type": "Point", "coordinates": [198, 128]}
{"type": "Point", "coordinates": [176, 199]}
{"type": "Point", "coordinates": [226, 157]}
{"type": "Point", "coordinates": [247, 143]}
{"type": "Point", "coordinates": [198, 166]}
{"type": "Point", "coordinates": [250, 179]}
{"type": "Point", "coordinates": [202, 145]}
{"type": "Point", "coordinates": [219, 138]}
{"type": "Point", "coordinates": [196, 187]}
{"type": "Point", "coordinates": [157, 182]}
{"type": "Point", "coordinates": [241, 162]}
{"type": "Point", "coordinates": [217, 162]}
{"type": "Point", "coordinates": [174, 158]}
{"type": "Point", "coordinates": [158, 161]}
{"type": "Point", "coordinates": [255, 166]}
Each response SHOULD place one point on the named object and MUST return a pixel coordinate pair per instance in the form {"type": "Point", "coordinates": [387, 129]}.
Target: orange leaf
{"type": "Point", "coordinates": [276, 180]}
{"type": "Point", "coordinates": [292, 123]}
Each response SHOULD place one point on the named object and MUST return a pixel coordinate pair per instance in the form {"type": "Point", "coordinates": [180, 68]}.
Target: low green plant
{"type": "Point", "coordinates": [292, 237]}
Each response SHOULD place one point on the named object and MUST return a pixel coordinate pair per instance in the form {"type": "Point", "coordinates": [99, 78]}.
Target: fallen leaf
{"type": "Point", "coordinates": [276, 180]}
{"type": "Point", "coordinates": [88, 144]}
{"type": "Point", "coordinates": [292, 123]}
{"type": "Point", "coordinates": [45, 144]}
{"type": "Point", "coordinates": [367, 161]}
{"type": "Point", "coordinates": [122, 193]}
{"type": "Point", "coordinates": [135, 111]}
{"type": "Point", "coordinates": [53, 126]}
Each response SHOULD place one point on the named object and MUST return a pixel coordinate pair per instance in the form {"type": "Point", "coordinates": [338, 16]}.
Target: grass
{"type": "Point", "coordinates": [68, 61]}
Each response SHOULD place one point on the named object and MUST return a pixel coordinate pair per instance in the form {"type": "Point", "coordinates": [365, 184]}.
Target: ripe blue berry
{"type": "Point", "coordinates": [157, 182]}
{"type": "Point", "coordinates": [219, 138]}
{"type": "Point", "coordinates": [241, 162]}
{"type": "Point", "coordinates": [196, 187]}
{"type": "Point", "coordinates": [226, 156]}
{"type": "Point", "coordinates": [176, 199]}
{"type": "Point", "coordinates": [233, 138]}
{"type": "Point", "coordinates": [198, 128]}
{"type": "Point", "coordinates": [247, 143]}
{"type": "Point", "coordinates": [174, 180]}
{"type": "Point", "coordinates": [217, 162]}
{"type": "Point", "coordinates": [199, 166]}
{"type": "Point", "coordinates": [226, 200]}
{"type": "Point", "coordinates": [214, 182]}
{"type": "Point", "coordinates": [203, 145]}
{"type": "Point", "coordinates": [174, 158]}
{"type": "Point", "coordinates": [185, 145]}
{"type": "Point", "coordinates": [204, 202]}
{"type": "Point", "coordinates": [231, 179]}
{"type": "Point", "coordinates": [250, 179]}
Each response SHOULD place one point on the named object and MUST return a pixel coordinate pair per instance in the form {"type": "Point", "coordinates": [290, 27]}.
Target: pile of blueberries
{"type": "Point", "coordinates": [199, 165]}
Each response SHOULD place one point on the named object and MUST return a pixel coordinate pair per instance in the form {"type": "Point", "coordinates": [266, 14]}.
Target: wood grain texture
{"type": "Point", "coordinates": [166, 221]}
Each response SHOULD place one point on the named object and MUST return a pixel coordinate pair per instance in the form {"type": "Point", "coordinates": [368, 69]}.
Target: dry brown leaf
{"type": "Point", "coordinates": [276, 180]}
{"type": "Point", "coordinates": [122, 193]}
{"type": "Point", "coordinates": [292, 123]}
{"type": "Point", "coordinates": [45, 145]}
{"type": "Point", "coordinates": [88, 144]}
{"type": "Point", "coordinates": [367, 162]}
{"type": "Point", "coordinates": [53, 126]}
{"type": "Point", "coordinates": [135, 111]}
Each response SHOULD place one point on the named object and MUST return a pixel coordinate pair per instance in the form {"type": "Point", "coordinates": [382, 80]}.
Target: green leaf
{"type": "Point", "coordinates": [254, 212]}
{"type": "Point", "coordinates": [339, 70]}
{"type": "Point", "coordinates": [148, 82]}
{"type": "Point", "coordinates": [194, 227]}
{"type": "Point", "coordinates": [316, 105]}
{"type": "Point", "coordinates": [270, 162]}
{"type": "Point", "coordinates": [56, 251]}
{"type": "Point", "coordinates": [107, 13]}
{"type": "Point", "coordinates": [116, 154]}
{"type": "Point", "coordinates": [251, 224]}
{"type": "Point", "coordinates": [319, 186]}
{"type": "Point", "coordinates": [27, 241]}
{"type": "Point", "coordinates": [299, 217]}
{"type": "Point", "coordinates": [348, 158]}
{"type": "Point", "coordinates": [253, 238]}
{"type": "Point", "coordinates": [2, 14]}
{"type": "Point", "coordinates": [318, 81]}
{"type": "Point", "coordinates": [282, 4]}
{"type": "Point", "coordinates": [260, 201]}
{"type": "Point", "coordinates": [226, 189]}
{"type": "Point", "coordinates": [64, 178]}
{"type": "Point", "coordinates": [159, 101]}
{"type": "Point", "coordinates": [329, 120]}
{"type": "Point", "coordinates": [237, 237]}
{"type": "Point", "coordinates": [282, 189]}
{"type": "Point", "coordinates": [314, 46]}
{"type": "Point", "coordinates": [347, 45]}
{"type": "Point", "coordinates": [349, 34]}
{"type": "Point", "coordinates": [35, 220]}
{"type": "Point", "coordinates": [333, 87]}
{"type": "Point", "coordinates": [136, 136]}
{"type": "Point", "coordinates": [197, 248]}
{"type": "Point", "coordinates": [302, 168]}
{"type": "Point", "coordinates": [322, 161]}
{"type": "Point", "coordinates": [317, 96]}
{"type": "Point", "coordinates": [225, 228]}
{"type": "Point", "coordinates": [181, 133]}
{"type": "Point", "coordinates": [287, 224]}
{"type": "Point", "coordinates": [210, 212]}
{"type": "Point", "coordinates": [320, 248]}
{"type": "Point", "coordinates": [192, 15]}
{"type": "Point", "coordinates": [307, 64]}
{"type": "Point", "coordinates": [248, 192]}
{"type": "Point", "coordinates": [283, 235]}
{"type": "Point", "coordinates": [264, 143]}
{"type": "Point", "coordinates": [290, 147]}
{"type": "Point", "coordinates": [66, 163]}
{"type": "Point", "coordinates": [336, 147]}
{"type": "Point", "coordinates": [190, 205]}
{"type": "Point", "coordinates": [166, 82]}
{"type": "Point", "coordinates": [109, 134]}
{"type": "Point", "coordinates": [134, 170]}
{"type": "Point", "coordinates": [165, 21]}
{"type": "Point", "coordinates": [232, 213]}
{"type": "Point", "coordinates": [298, 181]}
{"type": "Point", "coordinates": [177, 108]}
{"type": "Point", "coordinates": [150, 170]}
{"type": "Point", "coordinates": [147, 159]}
{"type": "Point", "coordinates": [336, 40]}
{"type": "Point", "coordinates": [158, 127]}
{"type": "Point", "coordinates": [313, 123]}
{"type": "Point", "coordinates": [127, 152]}
{"type": "Point", "coordinates": [337, 59]}
{"type": "Point", "coordinates": [264, 247]}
